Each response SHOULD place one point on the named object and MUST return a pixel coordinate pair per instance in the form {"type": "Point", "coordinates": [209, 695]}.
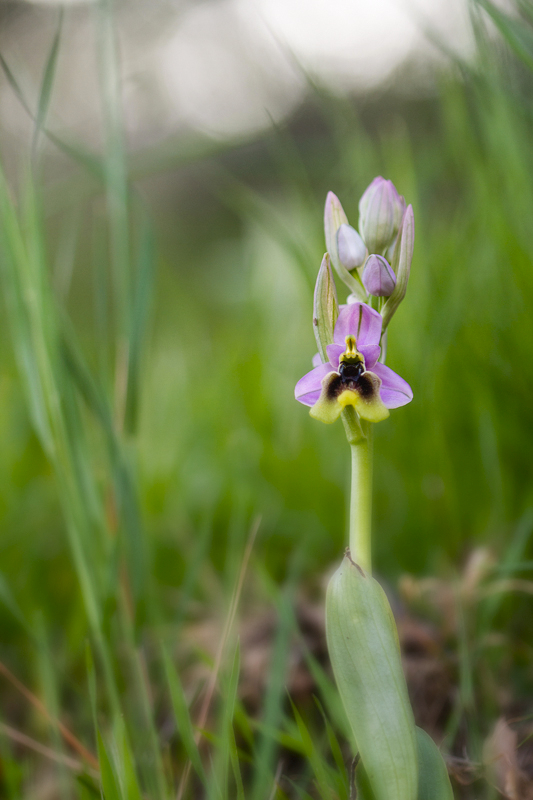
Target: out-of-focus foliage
{"type": "Point", "coordinates": [207, 431]}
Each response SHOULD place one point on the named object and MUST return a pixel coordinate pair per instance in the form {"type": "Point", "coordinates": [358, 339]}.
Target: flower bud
{"type": "Point", "coordinates": [335, 218]}
{"type": "Point", "coordinates": [350, 247]}
{"type": "Point", "coordinates": [378, 277]}
{"type": "Point", "coordinates": [381, 210]}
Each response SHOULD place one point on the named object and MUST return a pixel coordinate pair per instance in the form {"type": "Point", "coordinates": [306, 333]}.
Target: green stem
{"type": "Point", "coordinates": [361, 500]}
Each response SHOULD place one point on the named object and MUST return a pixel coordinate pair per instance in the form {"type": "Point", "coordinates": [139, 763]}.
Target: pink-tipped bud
{"type": "Point", "coordinates": [378, 277]}
{"type": "Point", "coordinates": [381, 210]}
{"type": "Point", "coordinates": [350, 247]}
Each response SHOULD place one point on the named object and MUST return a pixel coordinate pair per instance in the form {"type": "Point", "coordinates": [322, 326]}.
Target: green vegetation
{"type": "Point", "coordinates": [160, 489]}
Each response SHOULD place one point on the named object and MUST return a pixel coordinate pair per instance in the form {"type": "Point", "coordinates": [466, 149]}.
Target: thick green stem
{"type": "Point", "coordinates": [361, 500]}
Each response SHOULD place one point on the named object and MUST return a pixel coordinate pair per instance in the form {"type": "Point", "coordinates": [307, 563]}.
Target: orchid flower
{"type": "Point", "coordinates": [352, 375]}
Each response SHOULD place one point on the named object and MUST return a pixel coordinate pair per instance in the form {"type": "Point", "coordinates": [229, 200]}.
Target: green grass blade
{"type": "Point", "coordinates": [45, 93]}
{"type": "Point", "coordinates": [141, 305]}
{"type": "Point", "coordinates": [312, 754]}
{"type": "Point", "coordinates": [9, 601]}
{"type": "Point", "coordinates": [335, 749]}
{"type": "Point", "coordinates": [275, 695]}
{"type": "Point", "coordinates": [15, 85]}
{"type": "Point", "coordinates": [229, 713]}
{"type": "Point", "coordinates": [182, 717]}
{"type": "Point", "coordinates": [128, 775]}
{"type": "Point", "coordinates": [109, 779]}
{"type": "Point", "coordinates": [116, 180]}
{"type": "Point", "coordinates": [518, 35]}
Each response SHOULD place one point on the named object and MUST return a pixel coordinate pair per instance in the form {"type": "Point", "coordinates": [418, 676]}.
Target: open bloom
{"type": "Point", "coordinates": [352, 375]}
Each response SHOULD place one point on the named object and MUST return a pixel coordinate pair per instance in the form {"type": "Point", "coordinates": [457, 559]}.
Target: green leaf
{"type": "Point", "coordinates": [365, 655]}
{"type": "Point", "coordinates": [433, 780]}
{"type": "Point", "coordinates": [325, 307]}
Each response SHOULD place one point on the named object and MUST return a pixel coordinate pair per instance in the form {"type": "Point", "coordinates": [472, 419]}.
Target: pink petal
{"type": "Point", "coordinates": [359, 320]}
{"type": "Point", "coordinates": [308, 388]}
{"type": "Point", "coordinates": [334, 352]}
{"type": "Point", "coordinates": [371, 353]}
{"type": "Point", "coordinates": [317, 360]}
{"type": "Point", "coordinates": [394, 392]}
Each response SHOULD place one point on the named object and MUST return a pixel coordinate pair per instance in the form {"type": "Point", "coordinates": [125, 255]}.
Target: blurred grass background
{"type": "Point", "coordinates": [157, 315]}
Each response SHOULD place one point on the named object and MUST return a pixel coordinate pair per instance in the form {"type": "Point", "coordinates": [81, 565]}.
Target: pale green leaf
{"type": "Point", "coordinates": [433, 780]}
{"type": "Point", "coordinates": [365, 655]}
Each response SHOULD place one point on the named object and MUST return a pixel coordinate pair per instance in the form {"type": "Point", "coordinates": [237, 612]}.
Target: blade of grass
{"type": "Point", "coordinates": [182, 716]}
{"type": "Point", "coordinates": [275, 695]}
{"type": "Point", "coordinates": [313, 756]}
{"type": "Point", "coordinates": [34, 327]}
{"type": "Point", "coordinates": [228, 731]}
{"type": "Point", "coordinates": [212, 682]}
{"type": "Point", "coordinates": [335, 750]}
{"type": "Point", "coordinates": [116, 182]}
{"type": "Point", "coordinates": [7, 598]}
{"type": "Point", "coordinates": [78, 153]}
{"type": "Point", "coordinates": [49, 690]}
{"type": "Point", "coordinates": [141, 304]}
{"type": "Point", "coordinates": [47, 83]}
{"type": "Point", "coordinates": [516, 32]}
{"type": "Point", "coordinates": [147, 736]}
{"type": "Point", "coordinates": [109, 779]}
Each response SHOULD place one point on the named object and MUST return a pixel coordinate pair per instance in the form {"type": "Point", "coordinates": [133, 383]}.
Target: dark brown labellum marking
{"type": "Point", "coordinates": [365, 386]}
{"type": "Point", "coordinates": [335, 387]}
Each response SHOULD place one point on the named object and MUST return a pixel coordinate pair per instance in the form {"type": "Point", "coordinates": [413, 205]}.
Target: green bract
{"type": "Point", "coordinates": [325, 307]}
{"type": "Point", "coordinates": [401, 264]}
